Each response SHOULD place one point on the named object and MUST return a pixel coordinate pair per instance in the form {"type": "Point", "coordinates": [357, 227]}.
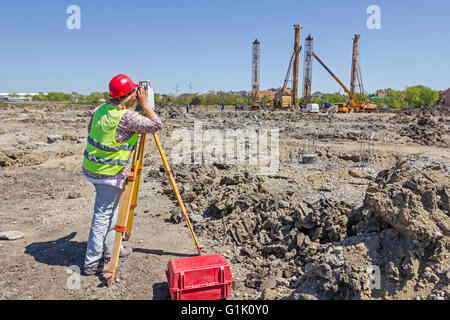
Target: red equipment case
{"type": "Point", "coordinates": [199, 278]}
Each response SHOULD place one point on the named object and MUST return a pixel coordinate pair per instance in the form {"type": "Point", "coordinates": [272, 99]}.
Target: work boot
{"type": "Point", "coordinates": [124, 252]}
{"type": "Point", "coordinates": [90, 271]}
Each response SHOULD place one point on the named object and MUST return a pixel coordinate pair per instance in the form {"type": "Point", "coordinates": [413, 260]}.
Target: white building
{"type": "Point", "coordinates": [19, 97]}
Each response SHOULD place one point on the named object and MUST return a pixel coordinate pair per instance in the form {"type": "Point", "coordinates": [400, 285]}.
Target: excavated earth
{"type": "Point", "coordinates": [368, 218]}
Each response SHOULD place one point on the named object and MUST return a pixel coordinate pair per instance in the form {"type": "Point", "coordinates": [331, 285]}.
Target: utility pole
{"type": "Point", "coordinates": [190, 87]}
{"type": "Point", "coordinates": [176, 90]}
{"type": "Point", "coordinates": [296, 64]}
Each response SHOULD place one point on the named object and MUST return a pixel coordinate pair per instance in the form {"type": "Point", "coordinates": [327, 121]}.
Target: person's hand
{"type": "Point", "coordinates": [142, 97]}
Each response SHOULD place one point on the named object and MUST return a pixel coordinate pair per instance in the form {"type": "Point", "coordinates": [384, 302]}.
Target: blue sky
{"type": "Point", "coordinates": [209, 43]}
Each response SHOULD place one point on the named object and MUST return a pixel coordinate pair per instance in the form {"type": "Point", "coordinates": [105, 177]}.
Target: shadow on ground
{"type": "Point", "coordinates": [161, 291]}
{"type": "Point", "coordinates": [162, 252]}
{"type": "Point", "coordinates": [60, 252]}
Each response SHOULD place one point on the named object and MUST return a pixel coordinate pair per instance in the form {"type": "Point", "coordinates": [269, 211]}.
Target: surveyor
{"type": "Point", "coordinates": [112, 135]}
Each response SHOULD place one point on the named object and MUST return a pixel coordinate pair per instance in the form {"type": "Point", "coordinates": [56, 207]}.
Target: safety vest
{"type": "Point", "coordinates": [103, 154]}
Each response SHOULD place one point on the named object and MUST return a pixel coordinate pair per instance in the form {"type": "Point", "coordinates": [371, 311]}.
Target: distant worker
{"type": "Point", "coordinates": [187, 108]}
{"type": "Point", "coordinates": [223, 107]}
{"type": "Point", "coordinates": [112, 135]}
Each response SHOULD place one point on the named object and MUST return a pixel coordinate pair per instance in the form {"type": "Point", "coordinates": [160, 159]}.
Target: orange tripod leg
{"type": "Point", "coordinates": [122, 219]}
{"type": "Point", "coordinates": [134, 196]}
{"type": "Point", "coordinates": [177, 194]}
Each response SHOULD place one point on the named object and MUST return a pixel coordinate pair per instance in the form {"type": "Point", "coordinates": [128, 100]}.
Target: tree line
{"type": "Point", "coordinates": [416, 96]}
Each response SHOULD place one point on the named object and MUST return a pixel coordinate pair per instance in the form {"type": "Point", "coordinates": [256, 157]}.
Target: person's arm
{"type": "Point", "coordinates": [142, 98]}
{"type": "Point", "coordinates": [132, 121]}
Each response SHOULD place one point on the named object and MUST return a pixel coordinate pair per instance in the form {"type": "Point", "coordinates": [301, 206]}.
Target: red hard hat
{"type": "Point", "coordinates": [120, 86]}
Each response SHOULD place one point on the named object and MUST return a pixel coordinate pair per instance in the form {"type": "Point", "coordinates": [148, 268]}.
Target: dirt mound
{"type": "Point", "coordinates": [435, 111]}
{"type": "Point", "coordinates": [425, 131]}
{"type": "Point", "coordinates": [20, 158]}
{"type": "Point", "coordinates": [169, 110]}
{"type": "Point", "coordinates": [414, 200]}
{"type": "Point", "coordinates": [294, 249]}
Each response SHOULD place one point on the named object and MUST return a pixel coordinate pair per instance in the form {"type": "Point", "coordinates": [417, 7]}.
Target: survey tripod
{"type": "Point", "coordinates": [128, 204]}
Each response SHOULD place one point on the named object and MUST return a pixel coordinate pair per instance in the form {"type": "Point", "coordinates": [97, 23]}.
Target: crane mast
{"type": "Point", "coordinates": [282, 91]}
{"type": "Point", "coordinates": [307, 74]}
{"type": "Point", "coordinates": [255, 70]}
{"type": "Point", "coordinates": [354, 72]}
{"type": "Point", "coordinates": [296, 64]}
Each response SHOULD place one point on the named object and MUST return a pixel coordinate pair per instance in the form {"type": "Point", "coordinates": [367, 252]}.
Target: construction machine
{"type": "Point", "coordinates": [354, 105]}
{"type": "Point", "coordinates": [256, 98]}
{"type": "Point", "coordinates": [283, 99]}
{"type": "Point", "coordinates": [307, 73]}
{"type": "Point", "coordinates": [356, 75]}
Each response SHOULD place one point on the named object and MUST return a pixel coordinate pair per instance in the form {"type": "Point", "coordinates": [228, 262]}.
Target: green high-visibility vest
{"type": "Point", "coordinates": [103, 154]}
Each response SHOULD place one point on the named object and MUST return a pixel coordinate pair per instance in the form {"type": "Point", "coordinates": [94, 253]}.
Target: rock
{"type": "Point", "coordinates": [359, 174]}
{"type": "Point", "coordinates": [288, 220]}
{"type": "Point", "coordinates": [304, 296]}
{"type": "Point", "coordinates": [431, 277]}
{"type": "Point", "coordinates": [11, 235]}
{"type": "Point", "coordinates": [282, 282]}
{"type": "Point", "coordinates": [73, 195]}
{"type": "Point", "coordinates": [269, 294]}
{"type": "Point", "coordinates": [410, 197]}
{"type": "Point", "coordinates": [284, 204]}
{"type": "Point", "coordinates": [195, 218]}
{"type": "Point", "coordinates": [81, 140]}
{"type": "Point", "coordinates": [53, 138]}
{"type": "Point", "coordinates": [188, 197]}
{"type": "Point", "coordinates": [236, 284]}
{"type": "Point", "coordinates": [302, 240]}
{"type": "Point", "coordinates": [304, 208]}
{"type": "Point", "coordinates": [175, 216]}
{"type": "Point", "coordinates": [268, 283]}
{"type": "Point", "coordinates": [309, 158]}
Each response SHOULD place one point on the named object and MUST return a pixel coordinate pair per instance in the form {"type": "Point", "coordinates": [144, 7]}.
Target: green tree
{"type": "Point", "coordinates": [335, 98]}
{"type": "Point", "coordinates": [95, 97]}
{"type": "Point", "coordinates": [421, 96]}
{"type": "Point", "coordinates": [394, 99]}
{"type": "Point", "coordinates": [196, 101]}
{"type": "Point", "coordinates": [55, 96]}
{"type": "Point", "coordinates": [75, 96]}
